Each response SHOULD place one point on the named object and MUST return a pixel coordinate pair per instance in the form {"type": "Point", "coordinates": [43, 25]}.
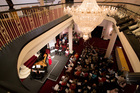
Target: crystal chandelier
{"type": "Point", "coordinates": [89, 15]}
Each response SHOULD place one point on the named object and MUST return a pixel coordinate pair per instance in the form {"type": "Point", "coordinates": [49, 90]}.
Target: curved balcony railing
{"type": "Point", "coordinates": [16, 23]}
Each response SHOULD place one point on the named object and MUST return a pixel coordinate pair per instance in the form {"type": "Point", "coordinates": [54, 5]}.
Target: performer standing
{"type": "Point", "coordinates": [49, 59]}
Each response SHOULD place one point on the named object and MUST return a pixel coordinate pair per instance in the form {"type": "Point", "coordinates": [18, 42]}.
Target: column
{"type": "Point", "coordinates": [41, 2]}
{"type": "Point", "coordinates": [111, 44]}
{"type": "Point", "coordinates": [70, 39]}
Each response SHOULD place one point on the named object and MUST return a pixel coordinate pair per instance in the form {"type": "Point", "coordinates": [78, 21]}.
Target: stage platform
{"type": "Point", "coordinates": [54, 70]}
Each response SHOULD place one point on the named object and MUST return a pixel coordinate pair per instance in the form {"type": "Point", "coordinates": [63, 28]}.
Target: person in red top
{"type": "Point", "coordinates": [76, 55]}
{"type": "Point", "coordinates": [73, 86]}
{"type": "Point", "coordinates": [49, 59]}
{"type": "Point", "coordinates": [77, 73]}
{"type": "Point", "coordinates": [101, 80]}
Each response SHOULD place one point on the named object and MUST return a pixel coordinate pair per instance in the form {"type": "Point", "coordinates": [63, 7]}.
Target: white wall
{"type": "Point", "coordinates": [52, 43]}
{"type": "Point", "coordinates": [107, 28]}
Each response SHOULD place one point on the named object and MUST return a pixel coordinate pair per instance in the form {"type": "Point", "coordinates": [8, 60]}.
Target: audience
{"type": "Point", "coordinates": [91, 73]}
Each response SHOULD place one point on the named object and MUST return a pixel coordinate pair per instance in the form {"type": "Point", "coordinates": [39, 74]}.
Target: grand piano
{"type": "Point", "coordinates": [39, 69]}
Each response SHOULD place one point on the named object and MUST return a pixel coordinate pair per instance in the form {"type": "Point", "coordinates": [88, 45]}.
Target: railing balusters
{"type": "Point", "coordinates": [53, 13]}
{"type": "Point", "coordinates": [37, 19]}
{"type": "Point", "coordinates": [40, 16]}
{"type": "Point", "coordinates": [2, 44]}
{"type": "Point", "coordinates": [3, 29]}
{"type": "Point", "coordinates": [43, 16]}
{"type": "Point", "coordinates": [28, 20]}
{"type": "Point", "coordinates": [31, 20]}
{"type": "Point", "coordinates": [47, 14]}
{"type": "Point", "coordinates": [24, 23]}
{"type": "Point", "coordinates": [13, 25]}
{"type": "Point", "coordinates": [58, 12]}
{"type": "Point", "coordinates": [15, 17]}
{"type": "Point", "coordinates": [20, 24]}
{"type": "Point", "coordinates": [5, 20]}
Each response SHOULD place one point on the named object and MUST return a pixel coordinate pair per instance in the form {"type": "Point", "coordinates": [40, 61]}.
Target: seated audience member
{"type": "Point", "coordinates": [63, 41]}
{"type": "Point", "coordinates": [76, 55]}
{"type": "Point", "coordinates": [94, 75]}
{"type": "Point", "coordinates": [101, 80]}
{"type": "Point", "coordinates": [110, 63]}
{"type": "Point", "coordinates": [120, 79]}
{"type": "Point", "coordinates": [56, 49]}
{"type": "Point", "coordinates": [72, 86]}
{"type": "Point", "coordinates": [79, 67]}
{"type": "Point", "coordinates": [68, 69]}
{"type": "Point", "coordinates": [64, 47]}
{"type": "Point", "coordinates": [111, 71]}
{"type": "Point", "coordinates": [60, 42]}
{"type": "Point", "coordinates": [84, 74]}
{"type": "Point", "coordinates": [67, 52]}
{"type": "Point", "coordinates": [72, 58]}
{"type": "Point", "coordinates": [85, 83]}
{"type": "Point", "coordinates": [94, 86]}
{"type": "Point", "coordinates": [57, 46]}
{"type": "Point", "coordinates": [70, 64]}
{"type": "Point", "coordinates": [60, 49]}
{"type": "Point", "coordinates": [77, 73]}
{"type": "Point", "coordinates": [65, 78]}
{"type": "Point", "coordinates": [63, 83]}
{"type": "Point", "coordinates": [56, 87]}
{"type": "Point", "coordinates": [114, 90]}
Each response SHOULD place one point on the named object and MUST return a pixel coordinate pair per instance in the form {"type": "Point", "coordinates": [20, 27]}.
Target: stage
{"type": "Point", "coordinates": [53, 72]}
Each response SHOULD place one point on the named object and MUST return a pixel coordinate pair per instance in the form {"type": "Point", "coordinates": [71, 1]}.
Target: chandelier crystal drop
{"type": "Point", "coordinates": [89, 15]}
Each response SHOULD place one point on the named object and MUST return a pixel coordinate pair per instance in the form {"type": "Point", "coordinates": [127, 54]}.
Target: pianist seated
{"type": "Point", "coordinates": [37, 72]}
